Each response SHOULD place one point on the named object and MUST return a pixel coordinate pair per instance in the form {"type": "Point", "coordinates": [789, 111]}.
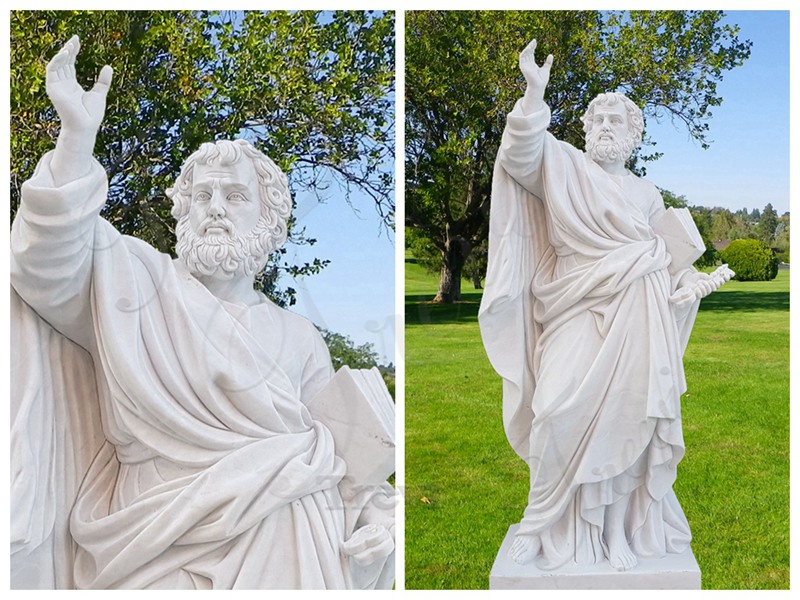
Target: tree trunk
{"type": "Point", "coordinates": [476, 281]}
{"type": "Point", "coordinates": [453, 259]}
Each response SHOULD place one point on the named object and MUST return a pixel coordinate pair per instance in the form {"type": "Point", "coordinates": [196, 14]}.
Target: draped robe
{"type": "Point", "coordinates": [190, 461]}
{"type": "Point", "coordinates": [577, 321]}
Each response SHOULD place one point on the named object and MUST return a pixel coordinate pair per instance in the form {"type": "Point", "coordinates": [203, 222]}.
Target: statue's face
{"type": "Point", "coordinates": [225, 200]}
{"type": "Point", "coordinates": [609, 125]}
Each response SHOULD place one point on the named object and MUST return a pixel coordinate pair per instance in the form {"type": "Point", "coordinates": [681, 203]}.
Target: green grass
{"type": "Point", "coordinates": [465, 486]}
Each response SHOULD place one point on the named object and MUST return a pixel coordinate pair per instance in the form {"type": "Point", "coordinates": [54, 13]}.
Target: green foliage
{"type": "Point", "coordinates": [476, 264]}
{"type": "Point", "coordinates": [345, 352]}
{"type": "Point", "coordinates": [464, 485]}
{"type": "Point", "coordinates": [751, 260]}
{"type": "Point", "coordinates": [425, 253]}
{"type": "Point", "coordinates": [672, 200]}
{"type": "Point", "coordinates": [462, 78]}
{"type": "Point", "coordinates": [723, 223]}
{"type": "Point", "coordinates": [702, 218]}
{"type": "Point", "coordinates": [782, 238]}
{"type": "Point", "coordinates": [756, 224]}
{"type": "Point", "coordinates": [313, 90]}
{"type": "Point", "coordinates": [767, 224]}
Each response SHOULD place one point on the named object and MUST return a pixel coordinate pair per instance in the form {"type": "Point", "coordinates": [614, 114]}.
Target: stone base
{"type": "Point", "coordinates": [673, 572]}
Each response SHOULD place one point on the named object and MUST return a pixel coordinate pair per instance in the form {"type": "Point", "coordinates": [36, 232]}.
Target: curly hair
{"type": "Point", "coordinates": [635, 118]}
{"type": "Point", "coordinates": [276, 201]}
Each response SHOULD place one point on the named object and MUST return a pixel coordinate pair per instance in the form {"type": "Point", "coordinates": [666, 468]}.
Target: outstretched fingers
{"type": "Point", "coordinates": [528, 53]}
{"type": "Point", "coordinates": [103, 80]}
{"type": "Point", "coordinates": [62, 66]}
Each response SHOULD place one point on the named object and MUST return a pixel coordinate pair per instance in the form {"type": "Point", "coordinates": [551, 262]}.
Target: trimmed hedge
{"type": "Point", "coordinates": [751, 260]}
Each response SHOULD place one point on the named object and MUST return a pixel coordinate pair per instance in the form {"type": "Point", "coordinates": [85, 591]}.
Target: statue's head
{"type": "Point", "coordinates": [613, 125]}
{"type": "Point", "coordinates": [232, 205]}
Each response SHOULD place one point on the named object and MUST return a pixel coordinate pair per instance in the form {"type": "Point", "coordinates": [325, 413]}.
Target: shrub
{"type": "Point", "coordinates": [751, 260]}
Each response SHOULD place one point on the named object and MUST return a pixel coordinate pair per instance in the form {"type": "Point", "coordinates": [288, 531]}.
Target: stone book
{"type": "Point", "coordinates": [680, 233]}
{"type": "Point", "coordinates": [356, 406]}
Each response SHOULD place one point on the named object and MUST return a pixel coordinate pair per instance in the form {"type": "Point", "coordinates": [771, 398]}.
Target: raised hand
{"type": "Point", "coordinates": [536, 76]}
{"type": "Point", "coordinates": [80, 111]}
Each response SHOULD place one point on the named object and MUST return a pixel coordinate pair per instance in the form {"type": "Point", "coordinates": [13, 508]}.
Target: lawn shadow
{"type": "Point", "coordinates": [747, 301]}
{"type": "Point", "coordinates": [420, 310]}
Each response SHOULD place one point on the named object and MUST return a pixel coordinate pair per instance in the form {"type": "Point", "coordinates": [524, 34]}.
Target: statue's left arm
{"type": "Point", "coordinates": [369, 516]}
{"type": "Point", "coordinates": [688, 284]}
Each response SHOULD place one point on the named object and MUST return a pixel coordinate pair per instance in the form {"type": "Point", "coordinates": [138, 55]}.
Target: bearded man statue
{"type": "Point", "coordinates": [160, 433]}
{"type": "Point", "coordinates": [586, 316]}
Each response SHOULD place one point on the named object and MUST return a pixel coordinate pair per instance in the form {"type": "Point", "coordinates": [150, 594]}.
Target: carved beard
{"type": "Point", "coordinates": [602, 152]}
{"type": "Point", "coordinates": [222, 256]}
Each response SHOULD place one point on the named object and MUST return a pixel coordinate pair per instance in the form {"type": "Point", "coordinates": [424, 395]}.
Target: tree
{"type": "Point", "coordinates": [702, 218]}
{"type": "Point", "coordinates": [462, 79]}
{"type": "Point", "coordinates": [672, 200]}
{"type": "Point", "coordinates": [768, 224]}
{"type": "Point", "coordinates": [345, 352]}
{"type": "Point", "coordinates": [312, 90]}
{"type": "Point", "coordinates": [782, 238]}
{"type": "Point", "coordinates": [476, 264]}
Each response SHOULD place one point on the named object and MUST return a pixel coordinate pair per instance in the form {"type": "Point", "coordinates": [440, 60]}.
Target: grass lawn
{"type": "Point", "coordinates": [465, 486]}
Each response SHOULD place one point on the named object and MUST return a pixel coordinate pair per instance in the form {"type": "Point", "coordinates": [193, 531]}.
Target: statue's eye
{"type": "Point", "coordinates": [236, 197]}
{"type": "Point", "coordinates": [202, 197]}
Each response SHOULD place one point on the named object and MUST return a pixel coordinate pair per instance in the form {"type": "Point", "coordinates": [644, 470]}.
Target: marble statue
{"type": "Point", "coordinates": [586, 315]}
{"type": "Point", "coordinates": [160, 433]}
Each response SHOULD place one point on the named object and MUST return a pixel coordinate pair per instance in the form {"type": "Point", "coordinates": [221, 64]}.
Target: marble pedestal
{"type": "Point", "coordinates": [673, 572]}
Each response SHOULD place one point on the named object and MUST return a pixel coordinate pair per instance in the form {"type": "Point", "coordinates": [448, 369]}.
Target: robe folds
{"type": "Point", "coordinates": [198, 462]}
{"type": "Point", "coordinates": [576, 319]}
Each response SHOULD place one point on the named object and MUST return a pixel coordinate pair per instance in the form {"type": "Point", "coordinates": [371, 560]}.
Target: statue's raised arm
{"type": "Point", "coordinates": [536, 77]}
{"type": "Point", "coordinates": [79, 110]}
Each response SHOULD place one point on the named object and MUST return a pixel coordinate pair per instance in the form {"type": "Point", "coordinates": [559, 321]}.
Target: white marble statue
{"type": "Point", "coordinates": [160, 434]}
{"type": "Point", "coordinates": [586, 318]}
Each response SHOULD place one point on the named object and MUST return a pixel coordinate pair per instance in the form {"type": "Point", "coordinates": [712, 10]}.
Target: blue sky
{"type": "Point", "coordinates": [354, 295]}
{"type": "Point", "coordinates": [747, 165]}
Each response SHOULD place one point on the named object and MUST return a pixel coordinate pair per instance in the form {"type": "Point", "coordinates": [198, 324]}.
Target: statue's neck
{"type": "Point", "coordinates": [614, 168]}
{"type": "Point", "coordinates": [238, 290]}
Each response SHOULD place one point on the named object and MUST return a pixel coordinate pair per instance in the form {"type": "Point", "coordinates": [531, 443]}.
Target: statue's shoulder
{"type": "Point", "coordinates": [292, 324]}
{"type": "Point", "coordinates": [151, 258]}
{"type": "Point", "coordinates": [645, 185]}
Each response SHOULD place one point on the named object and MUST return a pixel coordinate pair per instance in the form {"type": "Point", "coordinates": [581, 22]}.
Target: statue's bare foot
{"type": "Point", "coordinates": [525, 548]}
{"type": "Point", "coordinates": [620, 555]}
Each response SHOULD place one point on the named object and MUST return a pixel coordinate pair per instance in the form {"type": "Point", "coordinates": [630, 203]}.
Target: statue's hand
{"type": "Point", "coordinates": [722, 275]}
{"type": "Point", "coordinates": [704, 285]}
{"type": "Point", "coordinates": [699, 285]}
{"type": "Point", "coordinates": [369, 544]}
{"type": "Point", "coordinates": [683, 297]}
{"type": "Point", "coordinates": [537, 77]}
{"type": "Point", "coordinates": [81, 112]}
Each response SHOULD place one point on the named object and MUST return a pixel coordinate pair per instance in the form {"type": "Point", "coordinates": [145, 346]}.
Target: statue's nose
{"type": "Point", "coordinates": [216, 207]}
